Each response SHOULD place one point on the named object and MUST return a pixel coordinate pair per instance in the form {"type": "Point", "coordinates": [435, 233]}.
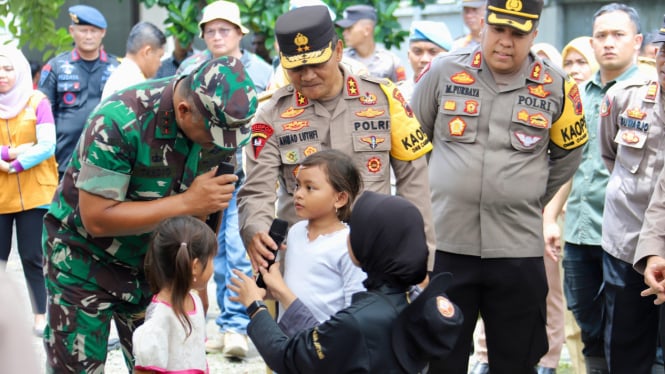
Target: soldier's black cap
{"type": "Point", "coordinates": [305, 36]}
{"type": "Point", "coordinates": [87, 15]}
{"type": "Point", "coordinates": [521, 15]}
{"type": "Point", "coordinates": [660, 37]}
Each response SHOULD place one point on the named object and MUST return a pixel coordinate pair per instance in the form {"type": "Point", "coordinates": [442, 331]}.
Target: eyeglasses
{"type": "Point", "coordinates": [223, 32]}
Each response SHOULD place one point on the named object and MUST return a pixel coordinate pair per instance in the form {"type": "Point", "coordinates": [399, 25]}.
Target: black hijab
{"type": "Point", "coordinates": [388, 239]}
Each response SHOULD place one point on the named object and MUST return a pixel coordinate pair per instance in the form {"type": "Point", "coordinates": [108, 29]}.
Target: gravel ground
{"type": "Point", "coordinates": [115, 364]}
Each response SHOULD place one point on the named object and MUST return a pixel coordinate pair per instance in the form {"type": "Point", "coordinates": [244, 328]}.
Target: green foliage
{"type": "Point", "coordinates": [33, 24]}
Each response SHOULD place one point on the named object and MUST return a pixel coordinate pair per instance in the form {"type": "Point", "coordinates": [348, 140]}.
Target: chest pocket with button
{"type": "Point", "coordinates": [529, 128]}
{"type": "Point", "coordinates": [458, 119]}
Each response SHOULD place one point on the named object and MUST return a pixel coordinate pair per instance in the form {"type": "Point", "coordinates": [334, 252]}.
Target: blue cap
{"type": "Point", "coordinates": [87, 15]}
{"type": "Point", "coordinates": [430, 31]}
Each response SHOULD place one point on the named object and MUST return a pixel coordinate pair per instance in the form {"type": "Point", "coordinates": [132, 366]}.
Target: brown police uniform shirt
{"type": "Point", "coordinates": [631, 129]}
{"type": "Point", "coordinates": [371, 122]}
{"type": "Point", "coordinates": [500, 152]}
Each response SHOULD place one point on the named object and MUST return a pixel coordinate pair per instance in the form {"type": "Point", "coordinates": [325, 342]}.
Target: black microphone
{"type": "Point", "coordinates": [214, 220]}
{"type": "Point", "coordinates": [277, 232]}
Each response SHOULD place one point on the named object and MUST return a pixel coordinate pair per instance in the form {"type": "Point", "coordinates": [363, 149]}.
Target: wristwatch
{"type": "Point", "coordinates": [254, 307]}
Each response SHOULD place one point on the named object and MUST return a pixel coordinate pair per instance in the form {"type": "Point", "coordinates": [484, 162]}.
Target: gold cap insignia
{"type": "Point", "coordinates": [514, 5]}
{"type": "Point", "coordinates": [302, 42]}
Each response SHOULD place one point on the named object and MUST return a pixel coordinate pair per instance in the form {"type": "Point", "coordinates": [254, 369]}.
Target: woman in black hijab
{"type": "Point", "coordinates": [387, 240]}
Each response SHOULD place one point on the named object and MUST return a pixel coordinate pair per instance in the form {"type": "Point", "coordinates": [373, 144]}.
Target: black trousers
{"type": "Point", "coordinates": [509, 294]}
{"type": "Point", "coordinates": [29, 239]}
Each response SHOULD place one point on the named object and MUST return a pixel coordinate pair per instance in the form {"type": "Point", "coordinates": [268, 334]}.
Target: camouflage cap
{"type": "Point", "coordinates": [226, 97]}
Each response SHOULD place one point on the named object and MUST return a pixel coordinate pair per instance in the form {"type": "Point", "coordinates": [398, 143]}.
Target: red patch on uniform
{"type": "Point", "coordinates": [374, 165]}
{"type": "Point", "coordinates": [261, 132]}
{"type": "Point", "coordinates": [574, 95]}
{"type": "Point", "coordinates": [536, 71]}
{"type": "Point", "coordinates": [462, 78]}
{"type": "Point", "coordinates": [352, 87]}
{"type": "Point", "coordinates": [471, 107]}
{"type": "Point", "coordinates": [400, 73]}
{"type": "Point", "coordinates": [477, 60]}
{"type": "Point", "coordinates": [300, 99]}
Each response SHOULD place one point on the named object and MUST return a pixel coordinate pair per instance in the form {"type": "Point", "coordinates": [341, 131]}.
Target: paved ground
{"type": "Point", "coordinates": [115, 364]}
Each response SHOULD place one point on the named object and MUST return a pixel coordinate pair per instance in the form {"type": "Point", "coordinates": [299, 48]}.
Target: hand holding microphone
{"type": "Point", "coordinates": [277, 233]}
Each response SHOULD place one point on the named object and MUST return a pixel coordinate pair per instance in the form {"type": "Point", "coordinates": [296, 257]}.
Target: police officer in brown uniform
{"type": "Point", "coordinates": [631, 130]}
{"type": "Point", "coordinates": [326, 107]}
{"type": "Point", "coordinates": [507, 130]}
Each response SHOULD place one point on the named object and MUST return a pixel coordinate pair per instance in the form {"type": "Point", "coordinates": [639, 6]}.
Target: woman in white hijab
{"type": "Point", "coordinates": [28, 171]}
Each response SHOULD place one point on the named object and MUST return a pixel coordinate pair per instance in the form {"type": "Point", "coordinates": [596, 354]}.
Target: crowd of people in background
{"type": "Point", "coordinates": [530, 210]}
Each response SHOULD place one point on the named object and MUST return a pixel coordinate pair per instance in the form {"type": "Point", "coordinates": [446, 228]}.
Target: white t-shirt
{"type": "Point", "coordinates": [161, 344]}
{"type": "Point", "coordinates": [320, 273]}
{"type": "Point", "coordinates": [128, 73]}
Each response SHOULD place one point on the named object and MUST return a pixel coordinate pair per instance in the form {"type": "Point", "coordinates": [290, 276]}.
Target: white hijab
{"type": "Point", "coordinates": [13, 101]}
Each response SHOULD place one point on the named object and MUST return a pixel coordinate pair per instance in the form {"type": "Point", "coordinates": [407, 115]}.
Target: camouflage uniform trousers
{"type": "Point", "coordinates": [84, 294]}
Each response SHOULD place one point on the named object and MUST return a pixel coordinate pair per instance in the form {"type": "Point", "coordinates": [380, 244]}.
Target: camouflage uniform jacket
{"type": "Point", "coordinates": [371, 122]}
{"type": "Point", "coordinates": [131, 150]}
{"type": "Point", "coordinates": [500, 152]}
{"type": "Point", "coordinates": [74, 87]}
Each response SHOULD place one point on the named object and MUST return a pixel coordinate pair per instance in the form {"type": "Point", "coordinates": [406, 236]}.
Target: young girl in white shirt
{"type": "Point", "coordinates": [317, 267]}
{"type": "Point", "coordinates": [178, 265]}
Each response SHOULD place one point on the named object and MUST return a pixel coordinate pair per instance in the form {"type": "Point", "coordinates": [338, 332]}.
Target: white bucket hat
{"type": "Point", "coordinates": [224, 10]}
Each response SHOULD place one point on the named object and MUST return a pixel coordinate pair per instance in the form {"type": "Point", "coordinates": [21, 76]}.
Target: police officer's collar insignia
{"type": "Point", "coordinates": [463, 78]}
{"type": "Point", "coordinates": [292, 113]}
{"type": "Point", "coordinates": [301, 100]}
{"type": "Point", "coordinates": [295, 125]}
{"type": "Point", "coordinates": [477, 60]}
{"type": "Point", "coordinates": [652, 91]}
{"type": "Point", "coordinates": [373, 141]}
{"type": "Point", "coordinates": [527, 140]}
{"type": "Point", "coordinates": [352, 87]}
{"type": "Point", "coordinates": [471, 107]}
{"type": "Point", "coordinates": [370, 113]}
{"type": "Point", "coordinates": [367, 99]}
{"type": "Point", "coordinates": [636, 113]}
{"type": "Point", "coordinates": [538, 91]}
{"type": "Point", "coordinates": [301, 42]}
{"type": "Point", "coordinates": [548, 78]}
{"type": "Point", "coordinates": [536, 71]}
{"type": "Point", "coordinates": [456, 126]}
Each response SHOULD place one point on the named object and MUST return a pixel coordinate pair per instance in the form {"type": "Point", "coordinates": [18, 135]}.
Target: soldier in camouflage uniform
{"type": "Point", "coordinates": [146, 154]}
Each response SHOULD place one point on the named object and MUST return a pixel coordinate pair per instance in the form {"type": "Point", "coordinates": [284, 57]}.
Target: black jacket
{"type": "Point", "coordinates": [355, 340]}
